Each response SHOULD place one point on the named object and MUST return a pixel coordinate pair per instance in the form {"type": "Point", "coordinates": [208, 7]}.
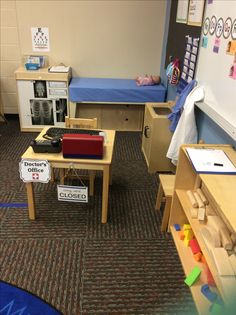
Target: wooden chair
{"type": "Point", "coordinates": [165, 193]}
{"type": "Point", "coordinates": [82, 123]}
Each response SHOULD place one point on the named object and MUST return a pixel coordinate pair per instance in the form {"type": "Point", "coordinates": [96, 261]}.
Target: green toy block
{"type": "Point", "coordinates": [193, 276]}
{"type": "Point", "coordinates": [216, 309]}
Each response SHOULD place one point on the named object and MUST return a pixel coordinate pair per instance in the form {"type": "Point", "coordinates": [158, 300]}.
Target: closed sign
{"type": "Point", "coordinates": [72, 193]}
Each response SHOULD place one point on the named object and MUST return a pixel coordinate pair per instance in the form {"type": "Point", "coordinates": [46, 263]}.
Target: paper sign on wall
{"type": "Point", "coordinates": [40, 39]}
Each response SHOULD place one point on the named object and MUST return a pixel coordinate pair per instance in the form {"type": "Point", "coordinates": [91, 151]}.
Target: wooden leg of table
{"type": "Point", "coordinates": [62, 176]}
{"type": "Point", "coordinates": [52, 175]}
{"type": "Point", "coordinates": [160, 194]}
{"type": "Point", "coordinates": [91, 182]}
{"type": "Point", "coordinates": [110, 175]}
{"type": "Point", "coordinates": [105, 190]}
{"type": "Point", "coordinates": [72, 109]}
{"type": "Point", "coordinates": [166, 214]}
{"type": "Point", "coordinates": [30, 196]}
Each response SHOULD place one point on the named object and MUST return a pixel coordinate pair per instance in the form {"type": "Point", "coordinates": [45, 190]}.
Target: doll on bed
{"type": "Point", "coordinates": [148, 80]}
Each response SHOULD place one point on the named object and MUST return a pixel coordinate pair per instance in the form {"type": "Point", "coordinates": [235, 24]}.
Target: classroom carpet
{"type": "Point", "coordinates": [67, 258]}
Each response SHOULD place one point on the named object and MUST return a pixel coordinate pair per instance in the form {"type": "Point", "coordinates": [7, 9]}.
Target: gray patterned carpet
{"type": "Point", "coordinates": [72, 261]}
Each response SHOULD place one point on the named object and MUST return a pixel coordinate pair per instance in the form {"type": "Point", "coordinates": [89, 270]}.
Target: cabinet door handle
{"type": "Point", "coordinates": [146, 131]}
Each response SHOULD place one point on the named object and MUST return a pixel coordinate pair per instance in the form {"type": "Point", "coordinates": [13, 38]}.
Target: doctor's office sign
{"type": "Point", "coordinates": [35, 171]}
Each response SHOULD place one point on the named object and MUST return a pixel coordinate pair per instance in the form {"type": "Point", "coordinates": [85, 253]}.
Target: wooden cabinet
{"type": "Point", "coordinates": [219, 190]}
{"type": "Point", "coordinates": [156, 137]}
{"type": "Point", "coordinates": [122, 117]}
{"type": "Point", "coordinates": [42, 98]}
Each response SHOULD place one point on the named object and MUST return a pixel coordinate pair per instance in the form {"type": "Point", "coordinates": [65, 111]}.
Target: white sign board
{"type": "Point", "coordinates": [35, 171]}
{"type": "Point", "coordinates": [182, 11]}
{"type": "Point", "coordinates": [72, 193]}
{"type": "Point", "coordinates": [40, 39]}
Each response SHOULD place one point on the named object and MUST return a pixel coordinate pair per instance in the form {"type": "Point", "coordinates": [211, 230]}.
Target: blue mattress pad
{"type": "Point", "coordinates": [114, 91]}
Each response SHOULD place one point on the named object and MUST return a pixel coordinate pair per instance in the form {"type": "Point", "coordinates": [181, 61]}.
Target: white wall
{"type": "Point", "coordinates": [98, 38]}
{"type": "Point", "coordinates": [10, 55]}
{"type": "Point", "coordinates": [117, 39]}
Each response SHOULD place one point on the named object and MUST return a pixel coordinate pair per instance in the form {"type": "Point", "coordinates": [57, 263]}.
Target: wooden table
{"type": "Point", "coordinates": [56, 160]}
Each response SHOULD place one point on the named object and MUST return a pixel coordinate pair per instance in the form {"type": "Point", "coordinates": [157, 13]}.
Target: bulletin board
{"type": "Point", "coordinates": [216, 61]}
{"type": "Point", "coordinates": [176, 42]}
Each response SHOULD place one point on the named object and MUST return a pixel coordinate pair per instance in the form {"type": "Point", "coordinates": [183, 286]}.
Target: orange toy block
{"type": "Point", "coordinates": [210, 279]}
{"type": "Point", "coordinates": [181, 235]}
{"type": "Point", "coordinates": [198, 256]}
{"type": "Point", "coordinates": [203, 260]}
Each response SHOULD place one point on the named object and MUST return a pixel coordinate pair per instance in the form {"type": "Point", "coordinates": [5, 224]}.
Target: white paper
{"type": "Point", "coordinates": [211, 161]}
{"type": "Point", "coordinates": [195, 12]}
{"type": "Point", "coordinates": [182, 11]}
{"type": "Point", "coordinates": [59, 69]}
{"type": "Point", "coordinates": [40, 39]}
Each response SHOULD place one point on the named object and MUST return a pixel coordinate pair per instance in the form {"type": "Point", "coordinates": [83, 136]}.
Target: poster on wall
{"type": "Point", "coordinates": [182, 11]}
{"type": "Point", "coordinates": [40, 39]}
{"type": "Point", "coordinates": [195, 12]}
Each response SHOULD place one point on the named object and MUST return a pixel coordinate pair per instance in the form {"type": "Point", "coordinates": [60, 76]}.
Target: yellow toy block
{"type": "Point", "coordinates": [186, 242]}
{"type": "Point", "coordinates": [187, 227]}
{"type": "Point", "coordinates": [188, 234]}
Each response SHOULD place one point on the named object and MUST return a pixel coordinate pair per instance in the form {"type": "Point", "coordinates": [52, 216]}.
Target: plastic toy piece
{"type": "Point", "coordinates": [232, 260]}
{"type": "Point", "coordinates": [211, 296]}
{"type": "Point", "coordinates": [177, 227]}
{"type": "Point", "coordinates": [188, 235]}
{"type": "Point", "coordinates": [194, 246]}
{"type": "Point", "coordinates": [181, 235]}
{"type": "Point", "coordinates": [193, 276]}
{"type": "Point", "coordinates": [203, 260]}
{"type": "Point", "coordinates": [193, 212]}
{"type": "Point", "coordinates": [186, 242]}
{"type": "Point", "coordinates": [216, 309]}
{"type": "Point", "coordinates": [202, 196]}
{"type": "Point", "coordinates": [198, 256]}
{"type": "Point", "coordinates": [199, 200]}
{"type": "Point", "coordinates": [187, 227]}
{"type": "Point", "coordinates": [210, 279]}
{"type": "Point", "coordinates": [225, 238]}
{"type": "Point", "coordinates": [201, 214]}
{"type": "Point", "coordinates": [192, 199]}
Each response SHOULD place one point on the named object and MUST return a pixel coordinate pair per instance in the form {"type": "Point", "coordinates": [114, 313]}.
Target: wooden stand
{"type": "Point", "coordinates": [219, 190]}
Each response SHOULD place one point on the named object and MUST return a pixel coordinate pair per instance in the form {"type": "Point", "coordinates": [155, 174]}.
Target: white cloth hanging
{"type": "Point", "coordinates": [186, 130]}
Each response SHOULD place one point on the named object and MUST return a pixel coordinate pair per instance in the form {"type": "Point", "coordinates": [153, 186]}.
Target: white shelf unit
{"type": "Point", "coordinates": [42, 98]}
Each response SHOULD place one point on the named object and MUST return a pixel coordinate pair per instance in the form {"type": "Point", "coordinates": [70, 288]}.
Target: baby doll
{"type": "Point", "coordinates": [148, 80]}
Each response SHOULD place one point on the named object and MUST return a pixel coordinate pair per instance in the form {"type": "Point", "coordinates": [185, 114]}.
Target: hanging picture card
{"type": "Point", "coordinates": [182, 11]}
{"type": "Point", "coordinates": [195, 12]}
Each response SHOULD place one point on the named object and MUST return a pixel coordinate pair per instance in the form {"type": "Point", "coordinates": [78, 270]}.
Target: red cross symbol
{"type": "Point", "coordinates": [35, 175]}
